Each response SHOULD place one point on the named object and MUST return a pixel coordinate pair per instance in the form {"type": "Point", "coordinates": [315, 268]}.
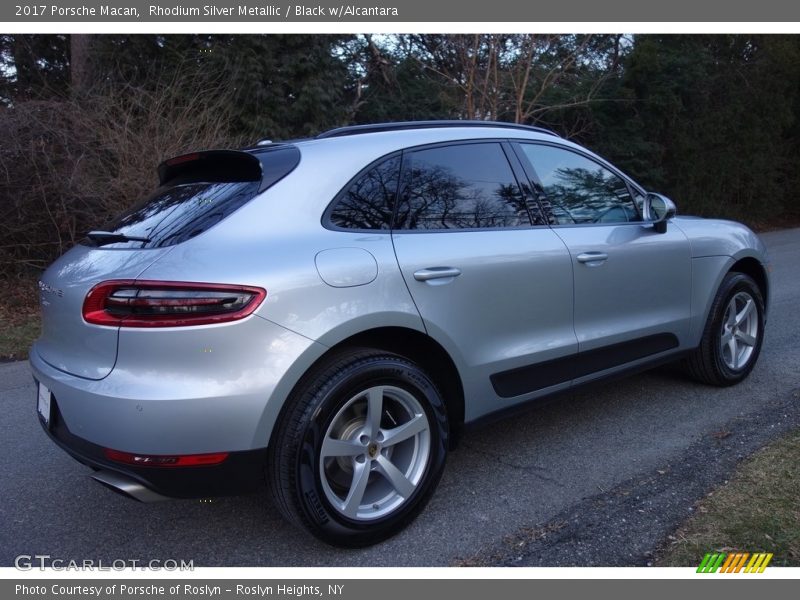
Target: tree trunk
{"type": "Point", "coordinates": [79, 63]}
{"type": "Point", "coordinates": [25, 65]}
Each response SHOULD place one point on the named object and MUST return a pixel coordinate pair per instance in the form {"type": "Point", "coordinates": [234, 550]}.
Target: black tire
{"type": "Point", "coordinates": [295, 469]}
{"type": "Point", "coordinates": [707, 363]}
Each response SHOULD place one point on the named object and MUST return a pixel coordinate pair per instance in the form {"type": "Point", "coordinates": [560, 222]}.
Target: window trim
{"type": "Point", "coordinates": [528, 192]}
{"type": "Point", "coordinates": [540, 194]}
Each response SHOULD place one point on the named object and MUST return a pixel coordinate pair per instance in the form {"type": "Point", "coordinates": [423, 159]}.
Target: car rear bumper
{"type": "Point", "coordinates": [167, 398]}
{"type": "Point", "coordinates": [240, 472]}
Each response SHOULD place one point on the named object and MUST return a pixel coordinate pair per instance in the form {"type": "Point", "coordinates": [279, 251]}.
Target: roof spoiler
{"type": "Point", "coordinates": [210, 165]}
{"type": "Point", "coordinates": [267, 164]}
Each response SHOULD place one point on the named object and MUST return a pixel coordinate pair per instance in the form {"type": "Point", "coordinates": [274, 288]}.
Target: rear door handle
{"type": "Point", "coordinates": [592, 259]}
{"type": "Point", "coordinates": [436, 273]}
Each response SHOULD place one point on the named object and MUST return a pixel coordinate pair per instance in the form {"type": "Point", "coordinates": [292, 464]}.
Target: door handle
{"type": "Point", "coordinates": [592, 259]}
{"type": "Point", "coordinates": [436, 273]}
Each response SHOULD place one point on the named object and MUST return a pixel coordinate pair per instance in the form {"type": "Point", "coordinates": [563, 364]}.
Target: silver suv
{"type": "Point", "coordinates": [333, 312]}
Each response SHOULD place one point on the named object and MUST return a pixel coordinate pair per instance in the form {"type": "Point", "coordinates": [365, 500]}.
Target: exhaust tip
{"type": "Point", "coordinates": [127, 486]}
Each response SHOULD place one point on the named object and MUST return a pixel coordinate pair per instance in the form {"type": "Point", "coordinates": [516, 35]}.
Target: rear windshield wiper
{"type": "Point", "coordinates": [101, 238]}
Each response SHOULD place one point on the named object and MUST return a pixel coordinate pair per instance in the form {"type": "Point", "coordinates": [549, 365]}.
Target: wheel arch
{"type": "Point", "coordinates": [707, 363]}
{"type": "Point", "coordinates": [752, 267]}
{"type": "Point", "coordinates": [420, 348]}
{"type": "Point", "coordinates": [708, 273]}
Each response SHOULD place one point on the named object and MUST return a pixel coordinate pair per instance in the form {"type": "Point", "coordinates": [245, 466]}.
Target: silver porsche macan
{"type": "Point", "coordinates": [330, 314]}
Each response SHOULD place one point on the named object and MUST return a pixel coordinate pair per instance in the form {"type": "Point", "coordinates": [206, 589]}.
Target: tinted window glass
{"type": "Point", "coordinates": [459, 187]}
{"type": "Point", "coordinates": [369, 201]}
{"type": "Point", "coordinates": [175, 213]}
{"type": "Point", "coordinates": [580, 190]}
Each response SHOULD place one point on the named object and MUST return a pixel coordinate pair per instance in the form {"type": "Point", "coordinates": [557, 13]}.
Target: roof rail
{"type": "Point", "coordinates": [404, 125]}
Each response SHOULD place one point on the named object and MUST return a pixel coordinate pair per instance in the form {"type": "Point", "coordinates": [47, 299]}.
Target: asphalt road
{"type": "Point", "coordinates": [553, 464]}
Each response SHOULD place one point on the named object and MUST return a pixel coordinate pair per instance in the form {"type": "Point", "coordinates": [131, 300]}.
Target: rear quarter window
{"type": "Point", "coordinates": [368, 201]}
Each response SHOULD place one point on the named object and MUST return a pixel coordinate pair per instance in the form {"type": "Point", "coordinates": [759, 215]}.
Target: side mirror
{"type": "Point", "coordinates": [658, 210]}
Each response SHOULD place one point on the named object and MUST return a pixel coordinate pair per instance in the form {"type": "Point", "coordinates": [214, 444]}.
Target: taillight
{"type": "Point", "coordinates": [161, 460]}
{"type": "Point", "coordinates": [129, 303]}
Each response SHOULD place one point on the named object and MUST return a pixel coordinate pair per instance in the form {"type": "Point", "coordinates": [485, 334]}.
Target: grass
{"type": "Point", "coordinates": [19, 317]}
{"type": "Point", "coordinates": [757, 510]}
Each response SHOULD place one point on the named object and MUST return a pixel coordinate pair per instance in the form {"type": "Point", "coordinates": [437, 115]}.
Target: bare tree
{"type": "Point", "coordinates": [520, 77]}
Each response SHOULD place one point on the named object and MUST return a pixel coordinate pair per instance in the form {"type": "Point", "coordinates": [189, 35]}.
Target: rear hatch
{"type": "Point", "coordinates": [196, 192]}
{"type": "Point", "coordinates": [67, 342]}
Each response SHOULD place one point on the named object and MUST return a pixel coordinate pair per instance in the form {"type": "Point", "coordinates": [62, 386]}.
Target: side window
{"type": "Point", "coordinates": [368, 202]}
{"type": "Point", "coordinates": [580, 190]}
{"type": "Point", "coordinates": [464, 186]}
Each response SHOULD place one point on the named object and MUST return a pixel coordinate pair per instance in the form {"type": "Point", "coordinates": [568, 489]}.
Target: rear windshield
{"type": "Point", "coordinates": [198, 191]}
{"type": "Point", "coordinates": [176, 213]}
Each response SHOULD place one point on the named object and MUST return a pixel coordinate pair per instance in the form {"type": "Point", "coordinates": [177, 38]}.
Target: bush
{"type": "Point", "coordinates": [67, 166]}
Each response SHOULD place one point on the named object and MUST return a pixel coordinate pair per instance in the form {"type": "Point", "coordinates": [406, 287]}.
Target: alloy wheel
{"type": "Point", "coordinates": [375, 452]}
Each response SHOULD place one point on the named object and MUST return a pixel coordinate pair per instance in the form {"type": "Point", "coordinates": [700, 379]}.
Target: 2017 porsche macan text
{"type": "Point", "coordinates": [332, 312]}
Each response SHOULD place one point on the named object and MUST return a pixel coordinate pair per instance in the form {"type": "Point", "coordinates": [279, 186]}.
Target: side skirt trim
{"type": "Point", "coordinates": [531, 378]}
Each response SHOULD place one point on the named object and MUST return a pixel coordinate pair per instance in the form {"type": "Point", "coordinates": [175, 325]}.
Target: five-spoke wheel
{"type": "Point", "coordinates": [740, 327]}
{"type": "Point", "coordinates": [733, 333]}
{"type": "Point", "coordinates": [374, 452]}
{"type": "Point", "coordinates": [359, 447]}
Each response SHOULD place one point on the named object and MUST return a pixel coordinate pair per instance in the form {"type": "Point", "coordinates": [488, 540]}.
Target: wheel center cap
{"type": "Point", "coordinates": [372, 450]}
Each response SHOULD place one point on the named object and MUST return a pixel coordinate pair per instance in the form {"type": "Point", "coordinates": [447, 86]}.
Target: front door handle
{"type": "Point", "coordinates": [436, 273]}
{"type": "Point", "coordinates": [592, 259]}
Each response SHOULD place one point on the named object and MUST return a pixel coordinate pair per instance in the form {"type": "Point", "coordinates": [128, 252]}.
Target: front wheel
{"type": "Point", "coordinates": [733, 334]}
{"type": "Point", "coordinates": [359, 448]}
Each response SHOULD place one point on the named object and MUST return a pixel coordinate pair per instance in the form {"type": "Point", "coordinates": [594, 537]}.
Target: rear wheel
{"type": "Point", "coordinates": [733, 334]}
{"type": "Point", "coordinates": [359, 448]}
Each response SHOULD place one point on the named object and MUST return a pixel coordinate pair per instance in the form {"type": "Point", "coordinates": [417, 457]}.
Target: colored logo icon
{"type": "Point", "coordinates": [740, 562]}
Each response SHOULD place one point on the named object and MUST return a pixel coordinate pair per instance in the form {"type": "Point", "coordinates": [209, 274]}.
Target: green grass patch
{"type": "Point", "coordinates": [757, 510]}
{"type": "Point", "coordinates": [19, 317]}
{"type": "Point", "coordinates": [15, 340]}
